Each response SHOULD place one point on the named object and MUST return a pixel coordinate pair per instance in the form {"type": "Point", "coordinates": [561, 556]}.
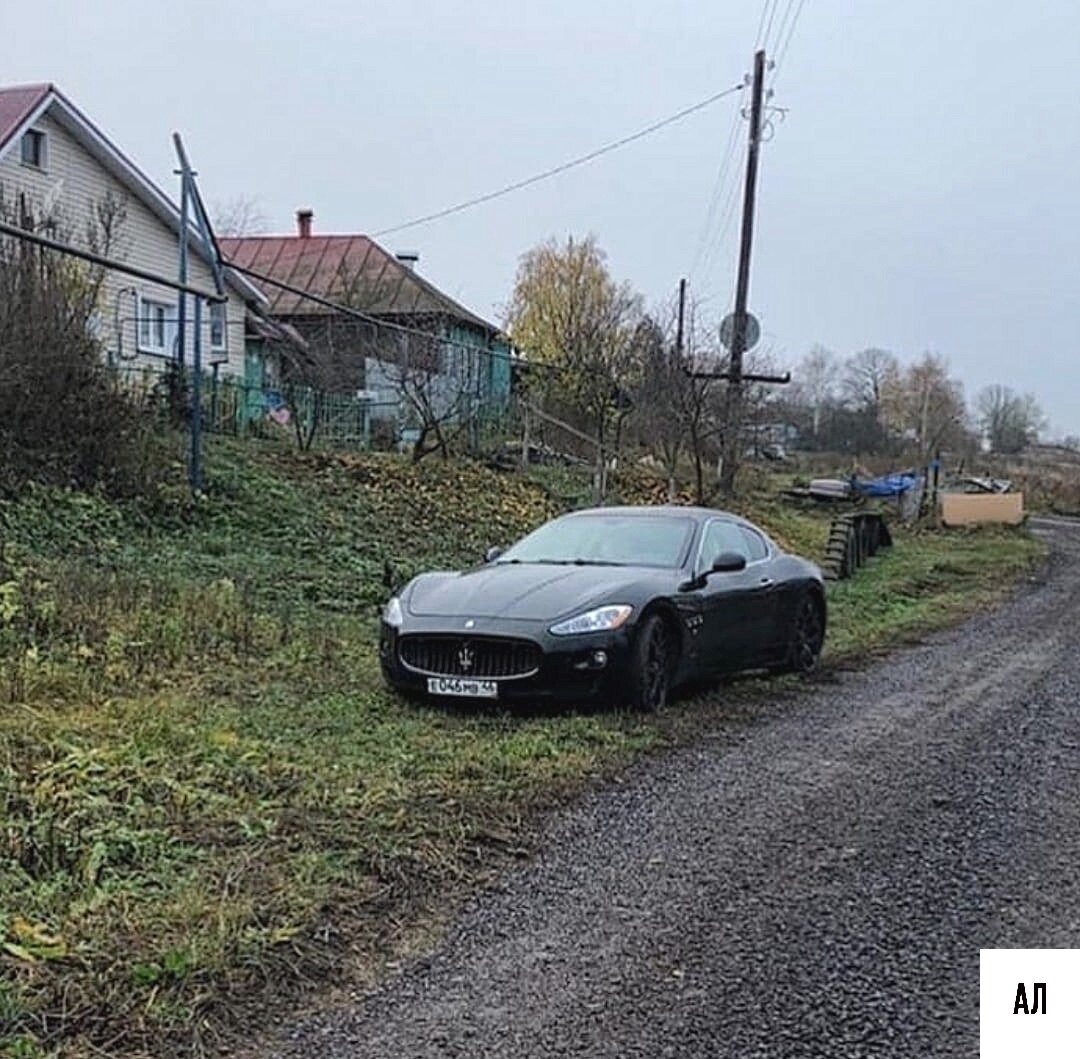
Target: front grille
{"type": "Point", "coordinates": [469, 656]}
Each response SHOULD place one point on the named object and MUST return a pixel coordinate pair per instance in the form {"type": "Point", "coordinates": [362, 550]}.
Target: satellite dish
{"type": "Point", "coordinates": [751, 331]}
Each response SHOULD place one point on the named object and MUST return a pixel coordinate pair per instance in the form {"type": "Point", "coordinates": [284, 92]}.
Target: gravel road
{"type": "Point", "coordinates": [817, 883]}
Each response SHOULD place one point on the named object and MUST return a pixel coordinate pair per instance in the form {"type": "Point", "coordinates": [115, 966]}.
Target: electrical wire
{"type": "Point", "coordinates": [703, 257]}
{"type": "Point", "coordinates": [517, 355]}
{"type": "Point", "coordinates": [787, 24]}
{"type": "Point", "coordinates": [785, 30]}
{"type": "Point", "coordinates": [782, 26]}
{"type": "Point", "coordinates": [717, 194]}
{"type": "Point", "coordinates": [727, 215]}
{"type": "Point", "coordinates": [564, 167]}
{"type": "Point", "coordinates": [761, 22]}
{"type": "Point", "coordinates": [768, 29]}
{"type": "Point", "coordinates": [782, 52]}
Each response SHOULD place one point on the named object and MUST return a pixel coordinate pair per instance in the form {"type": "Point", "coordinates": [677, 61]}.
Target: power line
{"type": "Point", "coordinates": [710, 258]}
{"type": "Point", "coordinates": [705, 254]}
{"type": "Point", "coordinates": [108, 263]}
{"type": "Point", "coordinates": [515, 355]}
{"type": "Point", "coordinates": [728, 215]}
{"type": "Point", "coordinates": [768, 29]}
{"type": "Point", "coordinates": [761, 21]}
{"type": "Point", "coordinates": [556, 170]}
{"type": "Point", "coordinates": [722, 175]}
{"type": "Point", "coordinates": [783, 23]}
{"type": "Point", "coordinates": [785, 31]}
{"type": "Point", "coordinates": [784, 47]}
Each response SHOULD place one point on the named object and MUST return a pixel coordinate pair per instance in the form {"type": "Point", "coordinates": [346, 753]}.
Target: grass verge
{"type": "Point", "coordinates": [207, 800]}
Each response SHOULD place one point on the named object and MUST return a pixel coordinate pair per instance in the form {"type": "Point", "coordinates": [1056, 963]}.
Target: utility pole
{"type": "Point", "coordinates": [733, 418]}
{"type": "Point", "coordinates": [682, 317]}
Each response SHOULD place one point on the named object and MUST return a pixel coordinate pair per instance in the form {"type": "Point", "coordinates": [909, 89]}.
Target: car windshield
{"type": "Point", "coordinates": [614, 540]}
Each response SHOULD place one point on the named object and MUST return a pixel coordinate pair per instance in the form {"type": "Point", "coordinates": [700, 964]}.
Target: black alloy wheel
{"type": "Point", "coordinates": [650, 678]}
{"type": "Point", "coordinates": [807, 636]}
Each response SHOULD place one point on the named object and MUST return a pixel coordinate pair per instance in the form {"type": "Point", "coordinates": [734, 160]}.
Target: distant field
{"type": "Point", "coordinates": [207, 799]}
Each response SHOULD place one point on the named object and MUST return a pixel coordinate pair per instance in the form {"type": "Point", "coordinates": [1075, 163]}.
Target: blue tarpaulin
{"type": "Point", "coordinates": [887, 485]}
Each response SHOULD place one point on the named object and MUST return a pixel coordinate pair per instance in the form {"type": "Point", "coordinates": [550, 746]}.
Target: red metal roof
{"type": "Point", "coordinates": [16, 105]}
{"type": "Point", "coordinates": [351, 269]}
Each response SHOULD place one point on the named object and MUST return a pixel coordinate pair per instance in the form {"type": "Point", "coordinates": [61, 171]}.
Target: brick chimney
{"type": "Point", "coordinates": [303, 223]}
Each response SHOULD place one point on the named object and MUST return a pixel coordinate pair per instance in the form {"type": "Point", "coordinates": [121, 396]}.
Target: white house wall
{"type": "Point", "coordinates": [69, 189]}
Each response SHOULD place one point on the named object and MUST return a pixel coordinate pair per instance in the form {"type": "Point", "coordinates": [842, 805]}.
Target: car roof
{"type": "Point", "coordinates": [645, 510]}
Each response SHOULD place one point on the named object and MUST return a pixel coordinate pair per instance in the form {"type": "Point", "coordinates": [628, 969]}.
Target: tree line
{"type": "Point", "coordinates": [873, 403]}
{"type": "Point", "coordinates": [627, 377]}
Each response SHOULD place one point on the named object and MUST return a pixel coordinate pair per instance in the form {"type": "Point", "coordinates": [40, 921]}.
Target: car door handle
{"type": "Point", "coordinates": [765, 582]}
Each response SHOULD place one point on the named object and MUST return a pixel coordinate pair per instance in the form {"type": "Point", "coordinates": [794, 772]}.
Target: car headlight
{"type": "Point", "coordinates": [392, 613]}
{"type": "Point", "coordinates": [603, 619]}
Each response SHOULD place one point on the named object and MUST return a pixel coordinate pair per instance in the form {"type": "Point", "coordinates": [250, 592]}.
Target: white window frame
{"type": "Point", "coordinates": [42, 140]}
{"type": "Point", "coordinates": [146, 345]}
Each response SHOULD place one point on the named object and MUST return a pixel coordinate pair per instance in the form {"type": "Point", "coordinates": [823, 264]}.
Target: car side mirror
{"type": "Point", "coordinates": [493, 553]}
{"type": "Point", "coordinates": [728, 563]}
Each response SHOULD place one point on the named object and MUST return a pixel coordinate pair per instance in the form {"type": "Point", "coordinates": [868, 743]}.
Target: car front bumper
{"type": "Point", "coordinates": [570, 667]}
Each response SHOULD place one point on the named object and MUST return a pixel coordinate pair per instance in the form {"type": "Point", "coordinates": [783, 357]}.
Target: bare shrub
{"type": "Point", "coordinates": [63, 419]}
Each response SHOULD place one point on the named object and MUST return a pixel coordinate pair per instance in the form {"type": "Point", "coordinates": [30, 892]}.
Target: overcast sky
{"type": "Point", "coordinates": [922, 192]}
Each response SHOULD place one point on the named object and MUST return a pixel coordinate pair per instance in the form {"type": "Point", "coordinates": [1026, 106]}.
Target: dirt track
{"type": "Point", "coordinates": [817, 884]}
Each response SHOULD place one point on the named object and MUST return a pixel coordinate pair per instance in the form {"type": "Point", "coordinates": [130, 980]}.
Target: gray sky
{"type": "Point", "coordinates": [921, 193]}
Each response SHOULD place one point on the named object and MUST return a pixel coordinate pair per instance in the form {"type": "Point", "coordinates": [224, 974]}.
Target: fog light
{"type": "Point", "coordinates": [592, 660]}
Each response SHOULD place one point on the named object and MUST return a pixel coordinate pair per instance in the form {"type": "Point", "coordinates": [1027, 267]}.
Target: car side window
{"type": "Point", "coordinates": [720, 537]}
{"type": "Point", "coordinates": [755, 544]}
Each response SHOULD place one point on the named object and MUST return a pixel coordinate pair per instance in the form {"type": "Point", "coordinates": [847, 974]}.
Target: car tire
{"type": "Point", "coordinates": [651, 665]}
{"type": "Point", "coordinates": [806, 636]}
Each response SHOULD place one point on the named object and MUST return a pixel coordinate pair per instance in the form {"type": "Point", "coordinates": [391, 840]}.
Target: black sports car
{"type": "Point", "coordinates": [622, 602]}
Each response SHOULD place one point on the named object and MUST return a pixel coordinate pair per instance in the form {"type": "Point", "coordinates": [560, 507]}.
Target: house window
{"type": "Point", "coordinates": [217, 325]}
{"type": "Point", "coordinates": [33, 149]}
{"type": "Point", "coordinates": [157, 323]}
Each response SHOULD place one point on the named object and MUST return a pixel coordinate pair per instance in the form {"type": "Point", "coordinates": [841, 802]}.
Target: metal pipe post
{"type": "Point", "coordinates": [196, 401]}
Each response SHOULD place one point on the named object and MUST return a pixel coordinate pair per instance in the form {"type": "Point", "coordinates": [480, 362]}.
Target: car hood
{"type": "Point", "coordinates": [531, 591]}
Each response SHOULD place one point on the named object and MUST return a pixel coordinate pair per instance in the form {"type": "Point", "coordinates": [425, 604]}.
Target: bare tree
{"type": "Point", "coordinates": [240, 215]}
{"type": "Point", "coordinates": [680, 410]}
{"type": "Point", "coordinates": [64, 418]}
{"type": "Point", "coordinates": [438, 383]}
{"type": "Point", "coordinates": [866, 376]}
{"type": "Point", "coordinates": [1010, 421]}
{"type": "Point", "coordinates": [701, 402]}
{"type": "Point", "coordinates": [661, 398]}
{"type": "Point", "coordinates": [815, 383]}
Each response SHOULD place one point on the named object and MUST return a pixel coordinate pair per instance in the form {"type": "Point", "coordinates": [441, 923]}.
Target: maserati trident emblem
{"type": "Point", "coordinates": [469, 623]}
{"type": "Point", "coordinates": [465, 658]}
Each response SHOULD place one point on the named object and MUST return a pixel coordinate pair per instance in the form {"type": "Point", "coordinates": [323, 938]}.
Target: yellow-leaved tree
{"type": "Point", "coordinates": [578, 330]}
{"type": "Point", "coordinates": [925, 405]}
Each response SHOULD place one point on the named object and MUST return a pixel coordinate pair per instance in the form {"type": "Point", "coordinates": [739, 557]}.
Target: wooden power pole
{"type": "Point", "coordinates": [734, 410]}
{"type": "Point", "coordinates": [679, 331]}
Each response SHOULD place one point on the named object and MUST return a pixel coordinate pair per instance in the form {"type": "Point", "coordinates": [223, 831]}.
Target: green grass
{"type": "Point", "coordinates": [927, 581]}
{"type": "Point", "coordinates": [206, 796]}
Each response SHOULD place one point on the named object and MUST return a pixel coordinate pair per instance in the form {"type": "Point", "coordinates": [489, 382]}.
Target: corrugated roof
{"type": "Point", "coordinates": [351, 269]}
{"type": "Point", "coordinates": [16, 105]}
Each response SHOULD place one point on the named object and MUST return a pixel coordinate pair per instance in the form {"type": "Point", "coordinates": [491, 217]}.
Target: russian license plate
{"type": "Point", "coordinates": [470, 689]}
